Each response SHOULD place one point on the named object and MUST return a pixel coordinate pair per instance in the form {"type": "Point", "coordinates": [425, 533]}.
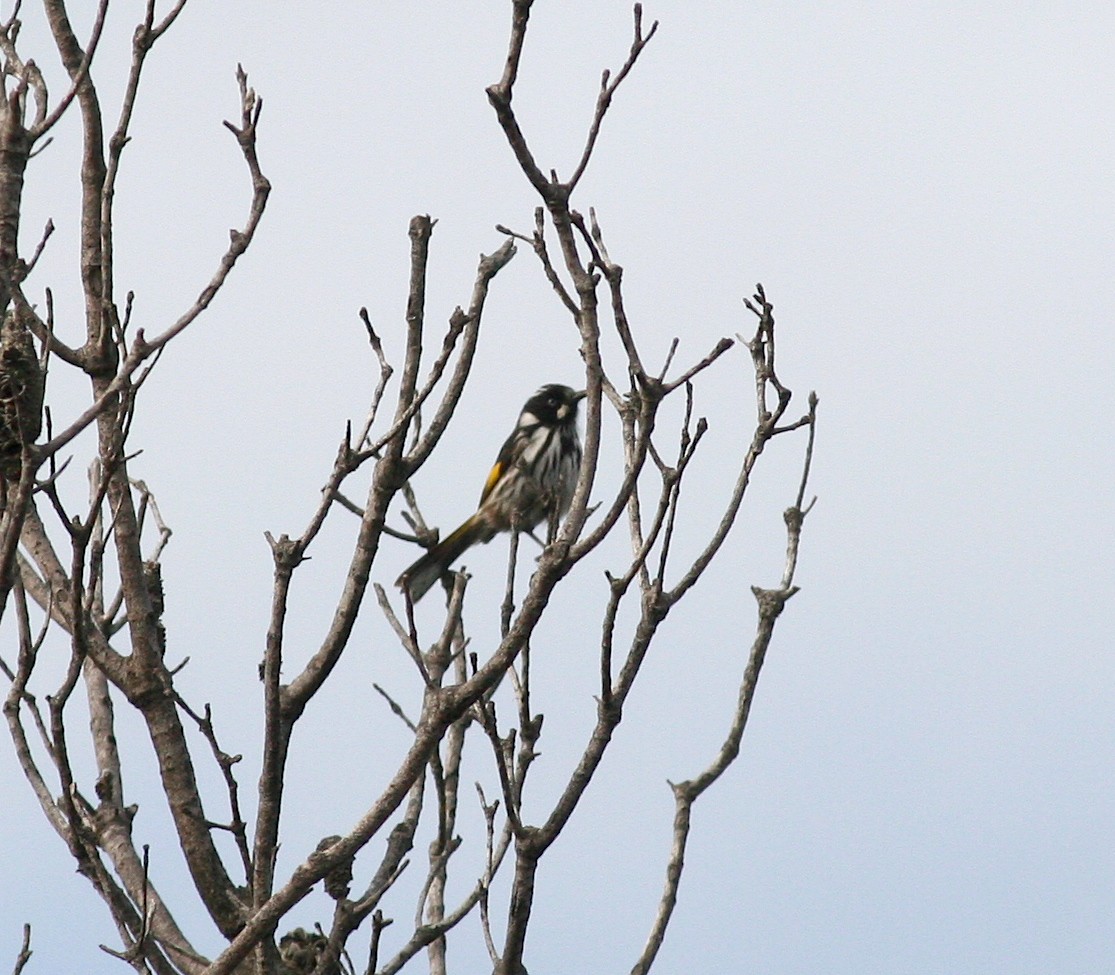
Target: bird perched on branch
{"type": "Point", "coordinates": [532, 480]}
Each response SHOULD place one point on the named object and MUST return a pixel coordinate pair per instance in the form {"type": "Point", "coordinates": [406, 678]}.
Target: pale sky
{"type": "Point", "coordinates": [924, 190]}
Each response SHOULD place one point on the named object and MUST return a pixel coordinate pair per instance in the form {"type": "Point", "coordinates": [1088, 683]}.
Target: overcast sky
{"type": "Point", "coordinates": [925, 191]}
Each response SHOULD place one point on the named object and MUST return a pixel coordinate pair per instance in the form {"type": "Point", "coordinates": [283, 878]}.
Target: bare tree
{"type": "Point", "coordinates": [84, 584]}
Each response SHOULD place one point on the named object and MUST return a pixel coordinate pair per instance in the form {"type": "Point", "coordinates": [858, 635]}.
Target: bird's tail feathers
{"type": "Point", "coordinates": [420, 577]}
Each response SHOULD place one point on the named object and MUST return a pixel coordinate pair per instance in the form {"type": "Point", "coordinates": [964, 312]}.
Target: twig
{"type": "Point", "coordinates": [508, 605]}
{"type": "Point", "coordinates": [406, 637]}
{"type": "Point", "coordinates": [502, 748]}
{"type": "Point", "coordinates": [286, 555]}
{"type": "Point", "coordinates": [489, 810]}
{"type": "Point", "coordinates": [225, 762]}
{"type": "Point", "coordinates": [78, 78]}
{"type": "Point", "coordinates": [25, 951]}
{"type": "Point", "coordinates": [771, 603]}
{"type": "Point", "coordinates": [379, 922]}
{"type": "Point", "coordinates": [396, 709]}
{"type": "Point", "coordinates": [143, 348]}
{"type": "Point", "coordinates": [608, 90]}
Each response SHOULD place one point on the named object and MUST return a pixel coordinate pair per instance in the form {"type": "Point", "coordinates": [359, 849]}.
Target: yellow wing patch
{"type": "Point", "coordinates": [493, 478]}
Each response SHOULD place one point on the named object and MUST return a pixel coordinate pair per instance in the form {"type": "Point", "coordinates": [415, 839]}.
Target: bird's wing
{"type": "Point", "coordinates": [494, 475]}
{"type": "Point", "coordinates": [509, 454]}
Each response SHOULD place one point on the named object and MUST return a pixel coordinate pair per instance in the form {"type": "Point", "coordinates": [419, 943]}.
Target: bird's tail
{"type": "Point", "coordinates": [422, 574]}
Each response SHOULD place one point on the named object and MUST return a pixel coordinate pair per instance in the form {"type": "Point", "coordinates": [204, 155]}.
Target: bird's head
{"type": "Point", "coordinates": [554, 404]}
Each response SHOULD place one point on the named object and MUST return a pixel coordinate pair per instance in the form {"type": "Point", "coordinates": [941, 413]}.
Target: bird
{"type": "Point", "coordinates": [532, 480]}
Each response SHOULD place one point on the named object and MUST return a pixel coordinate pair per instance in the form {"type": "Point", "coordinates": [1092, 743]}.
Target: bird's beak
{"type": "Point", "coordinates": [578, 396]}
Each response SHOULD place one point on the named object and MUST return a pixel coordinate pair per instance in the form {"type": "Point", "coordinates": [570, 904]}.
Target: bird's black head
{"type": "Point", "coordinates": [554, 404]}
